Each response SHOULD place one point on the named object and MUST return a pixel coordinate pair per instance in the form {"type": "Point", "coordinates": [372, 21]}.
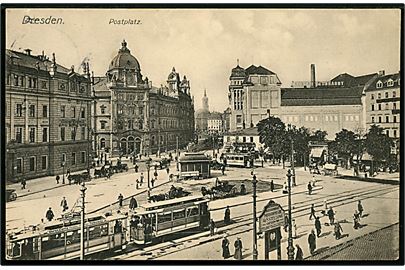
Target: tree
{"type": "Point", "coordinates": [378, 145]}
{"type": "Point", "coordinates": [345, 145]}
{"type": "Point", "coordinates": [273, 135]}
{"type": "Point", "coordinates": [301, 147]}
{"type": "Point", "coordinates": [318, 136]}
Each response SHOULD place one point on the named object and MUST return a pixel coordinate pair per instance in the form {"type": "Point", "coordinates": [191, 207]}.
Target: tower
{"type": "Point", "coordinates": [205, 102]}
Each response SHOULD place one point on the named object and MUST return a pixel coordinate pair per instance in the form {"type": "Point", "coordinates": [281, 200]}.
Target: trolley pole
{"type": "Point", "coordinates": [82, 236]}
{"type": "Point", "coordinates": [254, 219]}
{"type": "Point", "coordinates": [290, 248]}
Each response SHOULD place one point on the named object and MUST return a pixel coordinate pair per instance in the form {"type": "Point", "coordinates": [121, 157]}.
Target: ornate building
{"type": "Point", "coordinates": [47, 121]}
{"type": "Point", "coordinates": [201, 118]}
{"type": "Point", "coordinates": [132, 116]}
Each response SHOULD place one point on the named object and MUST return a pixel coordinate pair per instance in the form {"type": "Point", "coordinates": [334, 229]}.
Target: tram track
{"type": "Point", "coordinates": [245, 220]}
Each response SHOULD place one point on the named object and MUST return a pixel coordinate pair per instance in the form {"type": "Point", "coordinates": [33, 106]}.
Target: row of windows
{"type": "Point", "coordinates": [32, 135]}
{"type": "Point", "coordinates": [73, 133]}
{"type": "Point", "coordinates": [22, 81]}
{"type": "Point", "coordinates": [387, 119]}
{"type": "Point", "coordinates": [73, 112]}
{"type": "Point", "coordinates": [327, 118]}
{"type": "Point", "coordinates": [32, 165]}
{"type": "Point", "coordinates": [394, 133]}
{"type": "Point", "coordinates": [73, 160]}
{"type": "Point", "coordinates": [19, 109]}
{"type": "Point", "coordinates": [390, 82]}
{"type": "Point", "coordinates": [387, 106]}
{"type": "Point", "coordinates": [386, 95]}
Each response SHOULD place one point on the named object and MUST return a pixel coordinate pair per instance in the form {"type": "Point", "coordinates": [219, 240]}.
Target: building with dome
{"type": "Point", "coordinates": [132, 116]}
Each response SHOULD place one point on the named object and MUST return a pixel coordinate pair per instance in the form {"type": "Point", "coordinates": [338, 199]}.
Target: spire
{"type": "Point", "coordinates": [173, 69]}
{"type": "Point", "coordinates": [124, 46]}
{"type": "Point", "coordinates": [237, 61]}
{"type": "Point", "coordinates": [205, 92]}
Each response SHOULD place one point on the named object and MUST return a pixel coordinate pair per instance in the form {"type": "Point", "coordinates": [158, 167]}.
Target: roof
{"type": "Point", "coordinates": [194, 157]}
{"type": "Point", "coordinates": [395, 77]}
{"type": "Point", "coordinates": [124, 59]}
{"type": "Point", "coordinates": [172, 201]}
{"type": "Point", "coordinates": [252, 131]}
{"type": "Point", "coordinates": [350, 80]}
{"type": "Point", "coordinates": [238, 72]}
{"type": "Point", "coordinates": [321, 96]}
{"type": "Point", "coordinates": [253, 70]}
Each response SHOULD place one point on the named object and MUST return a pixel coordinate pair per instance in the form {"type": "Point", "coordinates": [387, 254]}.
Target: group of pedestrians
{"type": "Point", "coordinates": [237, 245]}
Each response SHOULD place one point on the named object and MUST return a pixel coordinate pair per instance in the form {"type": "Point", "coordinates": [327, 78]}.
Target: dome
{"type": "Point", "coordinates": [124, 59]}
{"type": "Point", "coordinates": [238, 72]}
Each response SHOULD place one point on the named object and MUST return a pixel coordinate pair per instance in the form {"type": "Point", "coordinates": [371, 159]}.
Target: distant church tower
{"type": "Point", "coordinates": [205, 101]}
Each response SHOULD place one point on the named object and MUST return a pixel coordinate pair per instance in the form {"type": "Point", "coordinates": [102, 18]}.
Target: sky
{"type": "Point", "coordinates": [205, 44]}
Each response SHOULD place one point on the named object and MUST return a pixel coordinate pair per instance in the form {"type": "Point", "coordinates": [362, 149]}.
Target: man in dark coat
{"type": "Point", "coordinates": [312, 242]}
{"type": "Point", "coordinates": [64, 204]}
{"type": "Point", "coordinates": [272, 186]}
{"type": "Point", "coordinates": [141, 178]}
{"type": "Point", "coordinates": [318, 227]}
{"type": "Point", "coordinates": [299, 255]}
{"type": "Point", "coordinates": [238, 249]}
{"type": "Point", "coordinates": [23, 183]}
{"type": "Point", "coordinates": [57, 179]}
{"type": "Point", "coordinates": [309, 188]}
{"type": "Point", "coordinates": [312, 214]}
{"type": "Point", "coordinates": [212, 227]}
{"type": "Point", "coordinates": [225, 248]}
{"type": "Point", "coordinates": [133, 203]}
{"type": "Point", "coordinates": [360, 208]}
{"type": "Point", "coordinates": [227, 216]}
{"type": "Point", "coordinates": [331, 215]}
{"type": "Point", "coordinates": [49, 214]}
{"type": "Point", "coordinates": [120, 199]}
{"type": "Point", "coordinates": [136, 167]}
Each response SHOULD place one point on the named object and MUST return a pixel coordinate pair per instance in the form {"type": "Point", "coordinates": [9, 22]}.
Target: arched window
{"type": "Point", "coordinates": [102, 143]}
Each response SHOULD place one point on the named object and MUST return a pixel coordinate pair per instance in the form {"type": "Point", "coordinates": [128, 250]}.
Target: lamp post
{"type": "Point", "coordinates": [292, 154]}
{"type": "Point", "coordinates": [63, 172]}
{"type": "Point", "coordinates": [254, 218]}
{"type": "Point", "coordinates": [148, 168]}
{"type": "Point", "coordinates": [290, 248]}
{"type": "Point", "coordinates": [82, 237]}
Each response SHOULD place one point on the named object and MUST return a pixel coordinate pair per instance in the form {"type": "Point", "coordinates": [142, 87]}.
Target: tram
{"type": "Point", "coordinates": [155, 220]}
{"type": "Point", "coordinates": [60, 239]}
{"type": "Point", "coordinates": [239, 159]}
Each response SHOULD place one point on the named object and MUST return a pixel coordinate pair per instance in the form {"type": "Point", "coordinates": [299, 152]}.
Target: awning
{"type": "Point", "coordinates": [317, 152]}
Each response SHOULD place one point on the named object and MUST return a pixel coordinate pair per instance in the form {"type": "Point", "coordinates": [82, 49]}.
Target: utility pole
{"type": "Point", "coordinates": [82, 236]}
{"type": "Point", "coordinates": [254, 219]}
{"type": "Point", "coordinates": [290, 248]}
{"type": "Point", "coordinates": [292, 162]}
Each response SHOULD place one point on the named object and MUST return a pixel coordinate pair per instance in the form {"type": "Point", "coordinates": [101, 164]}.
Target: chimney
{"type": "Point", "coordinates": [28, 51]}
{"type": "Point", "coordinates": [313, 78]}
{"type": "Point", "coordinates": [381, 73]}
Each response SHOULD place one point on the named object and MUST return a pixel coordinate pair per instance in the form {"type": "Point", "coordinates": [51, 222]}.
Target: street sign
{"type": "Point", "coordinates": [272, 217]}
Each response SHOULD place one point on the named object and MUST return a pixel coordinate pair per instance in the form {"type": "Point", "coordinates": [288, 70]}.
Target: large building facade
{"type": "Point", "coordinates": [48, 117]}
{"type": "Point", "coordinates": [132, 116]}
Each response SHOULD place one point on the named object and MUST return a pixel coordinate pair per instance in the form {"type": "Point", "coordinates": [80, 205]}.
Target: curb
{"type": "Point", "coordinates": [369, 179]}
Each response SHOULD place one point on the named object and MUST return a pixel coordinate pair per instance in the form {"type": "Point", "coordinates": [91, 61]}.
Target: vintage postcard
{"type": "Point", "coordinates": [202, 134]}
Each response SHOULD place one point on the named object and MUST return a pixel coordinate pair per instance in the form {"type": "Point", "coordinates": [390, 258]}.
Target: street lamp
{"type": "Point", "coordinates": [254, 218]}
{"type": "Point", "coordinates": [290, 248]}
{"type": "Point", "coordinates": [292, 155]}
{"type": "Point", "coordinates": [63, 172]}
{"type": "Point", "coordinates": [83, 194]}
{"type": "Point", "coordinates": [148, 167]}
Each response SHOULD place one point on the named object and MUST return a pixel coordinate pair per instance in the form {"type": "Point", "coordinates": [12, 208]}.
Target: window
{"type": "Point", "coordinates": [22, 81]}
{"type": "Point", "coordinates": [372, 96]}
{"type": "Point", "coordinates": [379, 119]}
{"type": "Point", "coordinates": [18, 110]}
{"type": "Point", "coordinates": [73, 112]}
{"type": "Point", "coordinates": [63, 157]}
{"type": "Point", "coordinates": [63, 111]}
{"type": "Point", "coordinates": [372, 107]}
{"type": "Point", "coordinates": [178, 214]}
{"type": "Point", "coordinates": [379, 84]}
{"type": "Point", "coordinates": [164, 217]}
{"type": "Point", "coordinates": [44, 162]}
{"type": "Point", "coordinates": [254, 79]}
{"type": "Point", "coordinates": [102, 143]}
{"type": "Point", "coordinates": [73, 158]}
{"type": "Point", "coordinates": [18, 134]}
{"type": "Point", "coordinates": [387, 119]}
{"type": "Point", "coordinates": [31, 110]}
{"type": "Point", "coordinates": [251, 139]}
{"type": "Point", "coordinates": [387, 106]}
{"type": "Point", "coordinates": [390, 83]}
{"type": "Point", "coordinates": [394, 119]}
{"type": "Point", "coordinates": [264, 80]}
{"type": "Point", "coordinates": [44, 85]}
{"type": "Point", "coordinates": [32, 164]}
{"type": "Point", "coordinates": [386, 94]}
{"type": "Point", "coordinates": [102, 109]}
{"type": "Point", "coordinates": [16, 80]}
{"type": "Point", "coordinates": [44, 134]}
{"type": "Point", "coordinates": [83, 133]}
{"type": "Point", "coordinates": [387, 132]}
{"type": "Point", "coordinates": [19, 165]}
{"type": "Point", "coordinates": [83, 156]}
{"type": "Point", "coordinates": [238, 119]}
{"type": "Point", "coordinates": [62, 134]}
{"type": "Point", "coordinates": [394, 105]}
{"type": "Point", "coordinates": [73, 134]}
{"type": "Point", "coordinates": [394, 94]}
{"type": "Point", "coordinates": [44, 111]}
{"type": "Point", "coordinates": [32, 135]}
{"type": "Point", "coordinates": [395, 133]}
{"type": "Point", "coordinates": [83, 113]}
{"type": "Point", "coordinates": [379, 107]}
{"type": "Point", "coordinates": [102, 124]}
{"type": "Point", "coordinates": [372, 119]}
{"type": "Point", "coordinates": [379, 95]}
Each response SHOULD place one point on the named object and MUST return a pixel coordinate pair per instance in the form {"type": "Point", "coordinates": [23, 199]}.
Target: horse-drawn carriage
{"type": "Point", "coordinates": [215, 165]}
{"type": "Point", "coordinates": [78, 178]}
{"type": "Point", "coordinates": [223, 190]}
{"type": "Point", "coordinates": [329, 169]}
{"type": "Point", "coordinates": [120, 167]}
{"type": "Point", "coordinates": [174, 192]}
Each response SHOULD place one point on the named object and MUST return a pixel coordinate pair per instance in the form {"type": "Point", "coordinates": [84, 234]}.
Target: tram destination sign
{"type": "Point", "coordinates": [272, 217]}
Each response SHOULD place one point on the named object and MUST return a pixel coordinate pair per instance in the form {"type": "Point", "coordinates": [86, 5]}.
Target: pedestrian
{"type": "Point", "coordinates": [285, 188]}
{"type": "Point", "coordinates": [133, 203]}
{"type": "Point", "coordinates": [313, 180]}
{"type": "Point", "coordinates": [242, 189]}
{"type": "Point", "coordinates": [171, 179]}
{"type": "Point", "coordinates": [325, 207]}
{"type": "Point", "coordinates": [57, 179]}
{"type": "Point", "coordinates": [155, 174]}
{"type": "Point", "coordinates": [148, 194]}
{"type": "Point", "coordinates": [318, 227]}
{"type": "Point", "coordinates": [238, 249]}
{"type": "Point", "coordinates": [360, 208]}
{"type": "Point", "coordinates": [312, 214]}
{"type": "Point", "coordinates": [225, 248]}
{"type": "Point", "coordinates": [167, 170]}
{"type": "Point", "coordinates": [120, 199]}
{"type": "Point", "coordinates": [331, 215]}
{"type": "Point", "coordinates": [137, 184]}
{"type": "Point", "coordinates": [152, 181]}
{"type": "Point", "coordinates": [49, 214]}
{"type": "Point", "coordinates": [299, 255]}
{"type": "Point", "coordinates": [217, 182]}
{"type": "Point", "coordinates": [227, 216]}
{"type": "Point", "coordinates": [136, 168]}
{"type": "Point", "coordinates": [271, 185]}
{"type": "Point", "coordinates": [68, 172]}
{"type": "Point", "coordinates": [223, 169]}
{"type": "Point", "coordinates": [356, 220]}
{"type": "Point", "coordinates": [23, 183]}
{"type": "Point", "coordinates": [212, 227]}
{"type": "Point", "coordinates": [309, 186]}
{"type": "Point", "coordinates": [141, 177]}
{"type": "Point", "coordinates": [312, 242]}
{"type": "Point", "coordinates": [337, 230]}
{"type": "Point", "coordinates": [64, 204]}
